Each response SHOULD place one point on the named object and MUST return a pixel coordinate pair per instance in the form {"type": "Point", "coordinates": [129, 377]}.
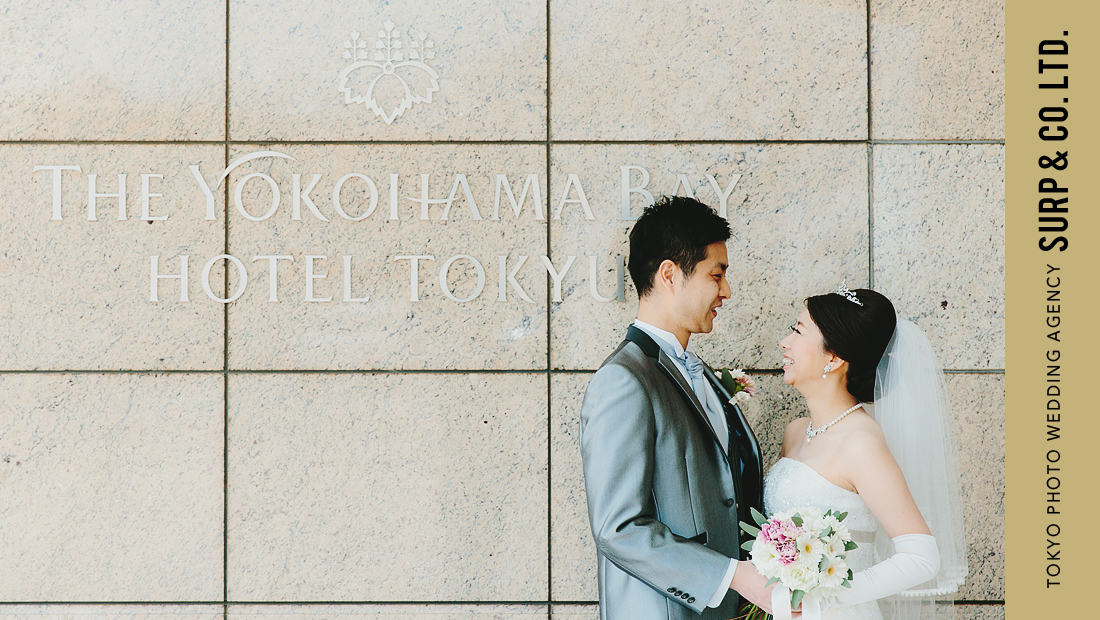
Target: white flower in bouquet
{"type": "Point", "coordinates": [834, 570]}
{"type": "Point", "coordinates": [765, 556]}
{"type": "Point", "coordinates": [800, 561]}
{"type": "Point", "coordinates": [812, 518]}
{"type": "Point", "coordinates": [839, 528]}
{"type": "Point", "coordinates": [834, 545]}
{"type": "Point", "coordinates": [811, 547]}
{"type": "Point", "coordinates": [800, 576]}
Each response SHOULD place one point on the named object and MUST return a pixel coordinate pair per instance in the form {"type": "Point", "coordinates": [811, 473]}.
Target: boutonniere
{"type": "Point", "coordinates": [740, 386]}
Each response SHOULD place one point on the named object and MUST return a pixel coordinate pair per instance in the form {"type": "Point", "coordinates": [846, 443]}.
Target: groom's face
{"type": "Point", "coordinates": [697, 298]}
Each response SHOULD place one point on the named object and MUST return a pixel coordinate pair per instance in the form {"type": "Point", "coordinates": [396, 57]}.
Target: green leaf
{"type": "Point", "coordinates": [850, 575]}
{"type": "Point", "coordinates": [727, 380]}
{"type": "Point", "coordinates": [823, 564]}
{"type": "Point", "coordinates": [750, 530]}
{"type": "Point", "coordinates": [771, 581]}
{"type": "Point", "coordinates": [826, 532]}
{"type": "Point", "coordinates": [747, 545]}
{"type": "Point", "coordinates": [840, 517]}
{"type": "Point", "coordinates": [797, 520]}
{"type": "Point", "coordinates": [849, 546]}
{"type": "Point", "coordinates": [845, 584]}
{"type": "Point", "coordinates": [760, 519]}
{"type": "Point", "coordinates": [796, 600]}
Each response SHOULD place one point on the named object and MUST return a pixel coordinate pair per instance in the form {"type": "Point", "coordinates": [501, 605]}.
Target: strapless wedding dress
{"type": "Point", "coordinates": [793, 484]}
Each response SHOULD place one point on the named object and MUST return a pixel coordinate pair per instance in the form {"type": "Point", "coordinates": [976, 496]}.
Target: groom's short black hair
{"type": "Point", "coordinates": [678, 229]}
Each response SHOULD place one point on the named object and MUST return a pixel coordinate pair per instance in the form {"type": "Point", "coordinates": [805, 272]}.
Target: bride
{"type": "Point", "coordinates": [891, 466]}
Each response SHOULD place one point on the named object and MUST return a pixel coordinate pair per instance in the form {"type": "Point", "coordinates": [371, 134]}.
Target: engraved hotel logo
{"type": "Point", "coordinates": [390, 77]}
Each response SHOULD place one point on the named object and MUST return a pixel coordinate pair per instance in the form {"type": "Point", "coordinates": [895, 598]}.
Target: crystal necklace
{"type": "Point", "coordinates": [812, 432]}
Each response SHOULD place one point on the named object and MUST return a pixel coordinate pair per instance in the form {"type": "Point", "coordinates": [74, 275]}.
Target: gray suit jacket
{"type": "Point", "coordinates": [663, 497]}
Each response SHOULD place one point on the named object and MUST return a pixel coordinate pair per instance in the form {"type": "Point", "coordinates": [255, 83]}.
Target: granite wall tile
{"type": "Point", "coordinates": [76, 292]}
{"type": "Point", "coordinates": [390, 331]}
{"type": "Point", "coordinates": [113, 71]}
{"type": "Point", "coordinates": [111, 612]}
{"type": "Point", "coordinates": [385, 612]}
{"type": "Point", "coordinates": [939, 245]}
{"type": "Point", "coordinates": [978, 401]}
{"type": "Point", "coordinates": [339, 482]}
{"type": "Point", "coordinates": [798, 215]}
{"type": "Point", "coordinates": [572, 550]}
{"type": "Point", "coordinates": [111, 488]}
{"type": "Point", "coordinates": [577, 612]}
{"type": "Point", "coordinates": [485, 78]}
{"type": "Point", "coordinates": [938, 69]}
{"type": "Point", "coordinates": [980, 612]}
{"type": "Point", "coordinates": [708, 70]}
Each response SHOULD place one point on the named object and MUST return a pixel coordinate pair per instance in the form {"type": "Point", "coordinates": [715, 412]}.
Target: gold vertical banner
{"type": "Point", "coordinates": [1053, 341]}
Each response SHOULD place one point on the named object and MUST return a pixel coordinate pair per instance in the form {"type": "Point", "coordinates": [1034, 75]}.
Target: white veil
{"type": "Point", "coordinates": [912, 409]}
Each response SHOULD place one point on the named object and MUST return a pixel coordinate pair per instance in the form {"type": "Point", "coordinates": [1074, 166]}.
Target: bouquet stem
{"type": "Point", "coordinates": [752, 612]}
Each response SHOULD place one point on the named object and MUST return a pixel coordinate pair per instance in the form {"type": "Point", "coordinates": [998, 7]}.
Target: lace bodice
{"type": "Point", "coordinates": [790, 484]}
{"type": "Point", "coordinates": [793, 484]}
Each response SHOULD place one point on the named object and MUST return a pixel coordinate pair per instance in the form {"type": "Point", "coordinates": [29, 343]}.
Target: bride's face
{"type": "Point", "coordinates": [804, 357]}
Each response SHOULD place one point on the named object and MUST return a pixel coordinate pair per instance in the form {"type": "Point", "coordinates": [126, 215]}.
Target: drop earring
{"type": "Point", "coordinates": [826, 371]}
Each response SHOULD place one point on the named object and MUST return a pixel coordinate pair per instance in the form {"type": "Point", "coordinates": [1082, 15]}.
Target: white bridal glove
{"type": "Point", "coordinates": [916, 560]}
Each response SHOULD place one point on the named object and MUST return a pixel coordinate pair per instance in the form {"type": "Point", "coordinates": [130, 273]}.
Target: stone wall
{"type": "Point", "coordinates": [413, 455]}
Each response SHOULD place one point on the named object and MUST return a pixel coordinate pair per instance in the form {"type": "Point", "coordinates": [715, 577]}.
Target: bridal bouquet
{"type": "Point", "coordinates": [740, 386]}
{"type": "Point", "coordinates": [804, 550]}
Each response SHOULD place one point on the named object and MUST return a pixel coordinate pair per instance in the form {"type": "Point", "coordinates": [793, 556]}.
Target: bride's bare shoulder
{"type": "Point", "coordinates": [863, 429]}
{"type": "Point", "coordinates": [864, 443]}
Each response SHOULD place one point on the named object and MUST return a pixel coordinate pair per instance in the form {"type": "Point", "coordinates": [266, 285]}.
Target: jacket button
{"type": "Point", "coordinates": [685, 596]}
{"type": "Point", "coordinates": [729, 503]}
{"type": "Point", "coordinates": [671, 590]}
{"type": "Point", "coordinates": [678, 592]}
{"type": "Point", "coordinates": [691, 599]}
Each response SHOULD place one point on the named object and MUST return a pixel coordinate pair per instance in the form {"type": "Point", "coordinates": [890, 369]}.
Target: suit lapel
{"type": "Point", "coordinates": [734, 414]}
{"type": "Point", "coordinates": [652, 349]}
{"type": "Point", "coordinates": [747, 449]}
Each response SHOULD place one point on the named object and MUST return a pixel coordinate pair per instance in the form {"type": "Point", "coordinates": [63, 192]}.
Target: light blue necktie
{"type": "Point", "coordinates": [694, 367]}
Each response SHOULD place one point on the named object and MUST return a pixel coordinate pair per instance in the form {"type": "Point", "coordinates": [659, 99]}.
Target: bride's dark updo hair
{"type": "Point", "coordinates": [857, 334]}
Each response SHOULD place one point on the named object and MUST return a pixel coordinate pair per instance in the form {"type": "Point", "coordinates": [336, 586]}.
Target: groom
{"type": "Point", "coordinates": [670, 466]}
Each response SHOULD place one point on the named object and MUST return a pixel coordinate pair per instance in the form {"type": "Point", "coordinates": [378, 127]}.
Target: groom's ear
{"type": "Point", "coordinates": [665, 278]}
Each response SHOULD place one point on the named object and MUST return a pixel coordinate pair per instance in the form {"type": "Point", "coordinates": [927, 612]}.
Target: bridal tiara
{"type": "Point", "coordinates": [843, 291]}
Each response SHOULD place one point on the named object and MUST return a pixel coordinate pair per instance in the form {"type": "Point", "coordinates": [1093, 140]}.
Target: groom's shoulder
{"type": "Point", "coordinates": [629, 357]}
{"type": "Point", "coordinates": [627, 369]}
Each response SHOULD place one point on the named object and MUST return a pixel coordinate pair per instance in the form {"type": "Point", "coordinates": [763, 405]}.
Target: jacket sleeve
{"type": "Point", "coordinates": [618, 440]}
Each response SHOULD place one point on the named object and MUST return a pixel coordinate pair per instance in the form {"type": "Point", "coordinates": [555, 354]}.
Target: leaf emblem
{"type": "Point", "coordinates": [390, 82]}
